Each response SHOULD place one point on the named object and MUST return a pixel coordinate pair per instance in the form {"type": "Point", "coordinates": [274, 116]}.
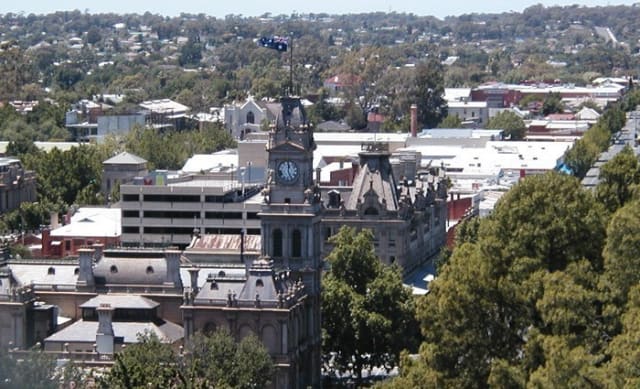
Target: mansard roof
{"type": "Point", "coordinates": [374, 182]}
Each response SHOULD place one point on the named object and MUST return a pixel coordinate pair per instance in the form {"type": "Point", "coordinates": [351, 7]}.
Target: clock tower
{"type": "Point", "coordinates": [290, 220]}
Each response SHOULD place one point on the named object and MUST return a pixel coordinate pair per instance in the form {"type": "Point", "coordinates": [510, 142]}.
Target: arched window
{"type": "Point", "coordinates": [296, 244]}
{"type": "Point", "coordinates": [76, 271]}
{"type": "Point", "coordinates": [149, 269]}
{"type": "Point", "coordinates": [259, 283]}
{"type": "Point", "coordinates": [51, 271]}
{"type": "Point", "coordinates": [113, 269]}
{"type": "Point", "coordinates": [251, 118]}
{"type": "Point", "coordinates": [277, 242]}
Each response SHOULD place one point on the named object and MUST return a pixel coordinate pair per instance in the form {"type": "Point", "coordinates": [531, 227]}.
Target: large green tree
{"type": "Point", "coordinates": [512, 124]}
{"type": "Point", "coordinates": [617, 179]}
{"type": "Point", "coordinates": [428, 93]}
{"type": "Point", "coordinates": [519, 295]}
{"type": "Point", "coordinates": [216, 360]}
{"type": "Point", "coordinates": [368, 316]}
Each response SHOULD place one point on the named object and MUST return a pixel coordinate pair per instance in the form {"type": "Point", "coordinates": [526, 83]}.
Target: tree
{"type": "Point", "coordinates": [512, 124]}
{"type": "Point", "coordinates": [581, 157]}
{"type": "Point", "coordinates": [552, 104]}
{"type": "Point", "coordinates": [214, 360]}
{"type": "Point", "coordinates": [617, 177]}
{"type": "Point", "coordinates": [217, 360]}
{"type": "Point", "coordinates": [623, 368]}
{"type": "Point", "coordinates": [62, 175]}
{"type": "Point", "coordinates": [147, 363]}
{"type": "Point", "coordinates": [429, 93]}
{"type": "Point", "coordinates": [517, 284]}
{"type": "Point", "coordinates": [451, 122]}
{"type": "Point", "coordinates": [30, 369]}
{"type": "Point", "coordinates": [542, 217]}
{"type": "Point", "coordinates": [621, 256]}
{"type": "Point", "coordinates": [367, 313]}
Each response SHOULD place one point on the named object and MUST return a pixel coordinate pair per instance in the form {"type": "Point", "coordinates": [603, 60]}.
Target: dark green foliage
{"type": "Point", "coordinates": [216, 361]}
{"type": "Point", "coordinates": [30, 369]}
{"type": "Point", "coordinates": [62, 175]}
{"type": "Point", "coordinates": [512, 124]}
{"type": "Point", "coordinates": [170, 150]}
{"type": "Point", "coordinates": [367, 313]}
{"type": "Point", "coordinates": [518, 303]}
{"type": "Point", "coordinates": [617, 178]}
{"type": "Point", "coordinates": [450, 122]}
{"type": "Point", "coordinates": [552, 104]}
{"type": "Point", "coordinates": [429, 93]}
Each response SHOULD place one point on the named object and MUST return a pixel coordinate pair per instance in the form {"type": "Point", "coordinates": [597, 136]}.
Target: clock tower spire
{"type": "Point", "coordinates": [290, 220]}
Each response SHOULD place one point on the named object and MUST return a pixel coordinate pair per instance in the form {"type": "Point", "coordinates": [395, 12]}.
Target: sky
{"type": "Point", "coordinates": [220, 8]}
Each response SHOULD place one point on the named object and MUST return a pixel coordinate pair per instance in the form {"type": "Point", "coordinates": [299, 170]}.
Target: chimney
{"type": "Point", "coordinates": [85, 273]}
{"type": "Point", "coordinates": [173, 269]}
{"type": "Point", "coordinates": [318, 171]}
{"type": "Point", "coordinates": [193, 274]}
{"type": "Point", "coordinates": [55, 222]}
{"type": "Point", "coordinates": [46, 241]}
{"type": "Point", "coordinates": [98, 249]}
{"type": "Point", "coordinates": [105, 336]}
{"type": "Point", "coordinates": [414, 120]}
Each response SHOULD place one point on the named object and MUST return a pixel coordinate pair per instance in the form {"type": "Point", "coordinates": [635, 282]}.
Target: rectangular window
{"type": "Point", "coordinates": [130, 214]}
{"type": "Point", "coordinates": [223, 215]}
{"type": "Point", "coordinates": [172, 198]}
{"type": "Point", "coordinates": [130, 197]}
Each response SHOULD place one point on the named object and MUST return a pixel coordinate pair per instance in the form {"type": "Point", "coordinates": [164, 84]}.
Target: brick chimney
{"type": "Point", "coordinates": [105, 336]}
{"type": "Point", "coordinates": [414, 120]}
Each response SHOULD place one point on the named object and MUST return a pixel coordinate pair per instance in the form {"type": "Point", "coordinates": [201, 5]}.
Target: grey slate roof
{"type": "Point", "coordinates": [135, 271]}
{"type": "Point", "coordinates": [262, 281]}
{"type": "Point", "coordinates": [45, 274]}
{"type": "Point", "coordinates": [85, 331]}
{"type": "Point", "coordinates": [121, 301]}
{"type": "Point", "coordinates": [374, 178]}
{"type": "Point", "coordinates": [125, 158]}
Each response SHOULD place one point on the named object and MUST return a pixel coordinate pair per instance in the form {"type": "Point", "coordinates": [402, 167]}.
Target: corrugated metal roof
{"type": "Point", "coordinates": [227, 242]}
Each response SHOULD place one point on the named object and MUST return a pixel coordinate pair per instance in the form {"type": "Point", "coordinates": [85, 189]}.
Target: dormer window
{"type": "Point", "coordinates": [51, 271]}
{"type": "Point", "coordinates": [114, 269]}
{"type": "Point", "coordinates": [221, 273]}
{"type": "Point", "coordinates": [149, 269]}
{"type": "Point", "coordinates": [259, 283]}
{"type": "Point", "coordinates": [76, 271]}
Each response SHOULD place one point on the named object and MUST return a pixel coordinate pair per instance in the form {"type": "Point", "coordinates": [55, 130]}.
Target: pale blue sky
{"type": "Point", "coordinates": [220, 8]}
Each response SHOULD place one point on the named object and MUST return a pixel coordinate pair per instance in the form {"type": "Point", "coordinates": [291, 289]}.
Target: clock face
{"type": "Point", "coordinates": [287, 171]}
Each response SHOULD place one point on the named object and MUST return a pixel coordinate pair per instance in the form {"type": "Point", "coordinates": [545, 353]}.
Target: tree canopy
{"type": "Point", "coordinates": [367, 313]}
{"type": "Point", "coordinates": [519, 303]}
{"type": "Point", "coordinates": [512, 124]}
{"type": "Point", "coordinates": [214, 360]}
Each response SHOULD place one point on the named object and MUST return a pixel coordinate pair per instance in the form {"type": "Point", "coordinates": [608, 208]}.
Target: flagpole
{"type": "Point", "coordinates": [291, 66]}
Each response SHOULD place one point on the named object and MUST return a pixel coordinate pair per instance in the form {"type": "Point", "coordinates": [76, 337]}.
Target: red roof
{"type": "Point", "coordinates": [561, 116]}
{"type": "Point", "coordinates": [342, 80]}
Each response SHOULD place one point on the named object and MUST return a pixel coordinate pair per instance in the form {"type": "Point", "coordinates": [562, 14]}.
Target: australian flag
{"type": "Point", "coordinates": [275, 42]}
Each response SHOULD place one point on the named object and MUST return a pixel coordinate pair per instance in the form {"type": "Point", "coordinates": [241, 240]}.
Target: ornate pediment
{"type": "Point", "coordinates": [286, 147]}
